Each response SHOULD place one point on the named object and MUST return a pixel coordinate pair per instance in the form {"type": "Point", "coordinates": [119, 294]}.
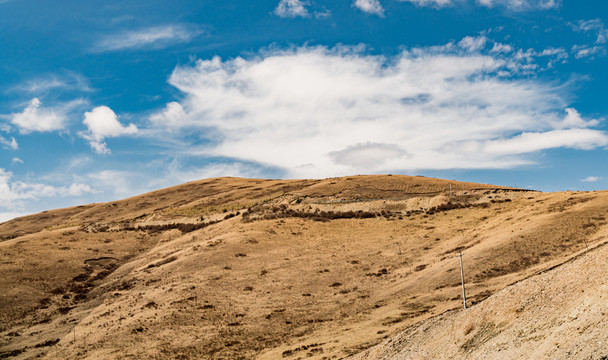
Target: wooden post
{"type": "Point", "coordinates": [74, 334]}
{"type": "Point", "coordinates": [464, 294]}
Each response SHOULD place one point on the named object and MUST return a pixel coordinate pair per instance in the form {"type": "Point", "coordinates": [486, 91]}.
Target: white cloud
{"type": "Point", "coordinates": [11, 144]}
{"type": "Point", "coordinates": [574, 120]}
{"type": "Point", "coordinates": [9, 215]}
{"type": "Point", "coordinates": [103, 123]}
{"type": "Point", "coordinates": [170, 117]}
{"type": "Point", "coordinates": [45, 83]}
{"type": "Point", "coordinates": [175, 174]}
{"type": "Point", "coordinates": [517, 5]}
{"type": "Point", "coordinates": [583, 139]}
{"type": "Point", "coordinates": [473, 43]}
{"type": "Point", "coordinates": [322, 14]}
{"type": "Point", "coordinates": [16, 160]}
{"type": "Point", "coordinates": [36, 118]}
{"type": "Point", "coordinates": [596, 26]}
{"type": "Point", "coordinates": [591, 179]}
{"type": "Point", "coordinates": [501, 48]}
{"type": "Point", "coordinates": [13, 193]}
{"type": "Point", "coordinates": [292, 9]}
{"type": "Point", "coordinates": [433, 3]}
{"type": "Point", "coordinates": [312, 111]}
{"type": "Point", "coordinates": [522, 4]}
{"type": "Point", "coordinates": [370, 7]}
{"type": "Point", "coordinates": [581, 52]}
{"type": "Point", "coordinates": [157, 37]}
{"type": "Point", "coordinates": [367, 154]}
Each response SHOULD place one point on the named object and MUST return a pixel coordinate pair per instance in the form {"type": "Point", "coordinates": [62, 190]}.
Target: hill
{"type": "Point", "coordinates": [232, 268]}
{"type": "Point", "coordinates": [560, 314]}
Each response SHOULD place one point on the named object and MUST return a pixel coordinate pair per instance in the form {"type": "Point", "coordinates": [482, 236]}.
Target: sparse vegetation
{"type": "Point", "coordinates": [291, 256]}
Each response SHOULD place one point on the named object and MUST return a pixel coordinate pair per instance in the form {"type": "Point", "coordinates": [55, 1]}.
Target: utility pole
{"type": "Point", "coordinates": [464, 294]}
{"type": "Point", "coordinates": [450, 190]}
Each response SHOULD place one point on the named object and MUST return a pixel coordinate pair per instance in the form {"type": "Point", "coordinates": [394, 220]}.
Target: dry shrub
{"type": "Point", "coordinates": [470, 327]}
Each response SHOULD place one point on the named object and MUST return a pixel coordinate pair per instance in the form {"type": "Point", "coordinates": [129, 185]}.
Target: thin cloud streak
{"type": "Point", "coordinates": [157, 37]}
{"type": "Point", "coordinates": [515, 5]}
{"type": "Point", "coordinates": [45, 83]}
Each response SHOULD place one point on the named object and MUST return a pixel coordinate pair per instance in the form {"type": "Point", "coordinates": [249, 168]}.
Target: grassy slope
{"type": "Point", "coordinates": [559, 314]}
{"type": "Point", "coordinates": [276, 285]}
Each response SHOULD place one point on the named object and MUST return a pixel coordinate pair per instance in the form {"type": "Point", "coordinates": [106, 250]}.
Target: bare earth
{"type": "Point", "coordinates": [234, 268]}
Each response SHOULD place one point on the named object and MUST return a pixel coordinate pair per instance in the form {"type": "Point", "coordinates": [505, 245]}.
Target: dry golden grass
{"type": "Point", "coordinates": [246, 268]}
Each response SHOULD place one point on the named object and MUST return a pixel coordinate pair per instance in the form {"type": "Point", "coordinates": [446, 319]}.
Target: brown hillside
{"type": "Point", "coordinates": [560, 314]}
{"type": "Point", "coordinates": [246, 268]}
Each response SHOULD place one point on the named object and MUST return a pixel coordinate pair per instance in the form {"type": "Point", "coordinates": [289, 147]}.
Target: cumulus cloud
{"type": "Point", "coordinates": [370, 7]}
{"type": "Point", "coordinates": [171, 117]}
{"type": "Point", "coordinates": [292, 9]}
{"type": "Point", "coordinates": [103, 123]}
{"type": "Point", "coordinates": [17, 161]}
{"type": "Point", "coordinates": [316, 111]}
{"type": "Point", "coordinates": [37, 118]}
{"type": "Point", "coordinates": [156, 37]}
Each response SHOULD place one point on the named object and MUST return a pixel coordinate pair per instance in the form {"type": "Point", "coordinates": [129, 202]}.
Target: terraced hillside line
{"type": "Point", "coordinates": [217, 194]}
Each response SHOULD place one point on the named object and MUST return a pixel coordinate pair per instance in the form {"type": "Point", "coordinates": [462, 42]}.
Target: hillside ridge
{"type": "Point", "coordinates": [230, 268]}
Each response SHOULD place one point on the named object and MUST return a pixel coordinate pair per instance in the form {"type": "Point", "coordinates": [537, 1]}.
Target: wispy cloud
{"type": "Point", "coordinates": [584, 51]}
{"type": "Point", "coordinates": [103, 123]}
{"type": "Point", "coordinates": [591, 179]}
{"type": "Point", "coordinates": [595, 26]}
{"type": "Point", "coordinates": [370, 6]}
{"type": "Point", "coordinates": [157, 37]}
{"type": "Point", "coordinates": [44, 83]}
{"type": "Point", "coordinates": [516, 5]}
{"type": "Point", "coordinates": [314, 111]}
{"type": "Point", "coordinates": [432, 3]}
{"type": "Point", "coordinates": [14, 192]}
{"type": "Point", "coordinates": [9, 144]}
{"type": "Point", "coordinates": [522, 5]}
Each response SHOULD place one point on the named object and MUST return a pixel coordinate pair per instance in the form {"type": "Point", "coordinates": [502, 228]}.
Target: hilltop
{"type": "Point", "coordinates": [232, 268]}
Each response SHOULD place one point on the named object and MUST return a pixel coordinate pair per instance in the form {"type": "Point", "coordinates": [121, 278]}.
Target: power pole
{"type": "Point", "coordinates": [450, 190]}
{"type": "Point", "coordinates": [464, 294]}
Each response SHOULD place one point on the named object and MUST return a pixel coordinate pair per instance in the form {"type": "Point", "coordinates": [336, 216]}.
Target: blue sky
{"type": "Point", "coordinates": [106, 99]}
